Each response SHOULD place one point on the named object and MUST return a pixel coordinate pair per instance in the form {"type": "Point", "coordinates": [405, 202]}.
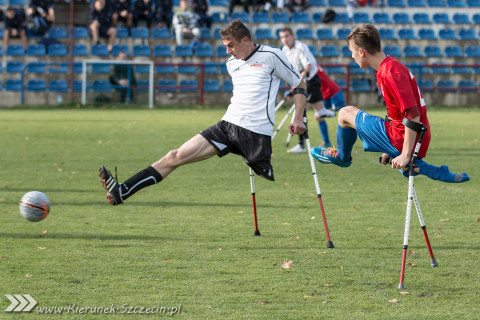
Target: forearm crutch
{"type": "Point", "coordinates": [289, 136]}
{"type": "Point", "coordinates": [283, 121]}
{"type": "Point", "coordinates": [315, 178]}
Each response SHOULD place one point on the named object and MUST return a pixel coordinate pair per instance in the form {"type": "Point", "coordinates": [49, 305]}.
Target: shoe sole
{"type": "Point", "coordinates": [101, 174]}
{"type": "Point", "coordinates": [326, 160]}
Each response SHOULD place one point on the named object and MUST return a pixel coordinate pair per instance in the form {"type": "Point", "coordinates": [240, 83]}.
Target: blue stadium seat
{"type": "Point", "coordinates": [36, 50]}
{"type": "Point", "coordinates": [120, 47]}
{"type": "Point", "coordinates": [301, 17]}
{"type": "Point", "coordinates": [101, 68]}
{"type": "Point", "coordinates": [1, 85]}
{"type": "Point", "coordinates": [162, 50]}
{"type": "Point", "coordinates": [396, 3]}
{"type": "Point", "coordinates": [454, 51]}
{"type": "Point", "coordinates": [160, 33]}
{"type": "Point", "coordinates": [240, 15]}
{"type": "Point", "coordinates": [263, 33]}
{"type": "Point", "coordinates": [57, 32]}
{"type": "Point", "coordinates": [223, 68]}
{"type": "Point", "coordinates": [341, 17]}
{"type": "Point", "coordinates": [334, 70]}
{"type": "Point", "coordinates": [17, 2]}
{"type": "Point", "coordinates": [343, 33]}
{"type": "Point", "coordinates": [57, 49]}
{"type": "Point", "coordinates": [36, 85]}
{"type": "Point", "coordinates": [304, 33]}
{"type": "Point", "coordinates": [15, 50]}
{"type": "Point", "coordinates": [329, 51]}
{"type": "Point", "coordinates": [58, 85]}
{"type": "Point", "coordinates": [313, 50]}
{"type": "Point", "coordinates": [412, 51]}
{"type": "Point", "coordinates": [406, 34]}
{"type": "Point", "coordinates": [415, 3]}
{"type": "Point", "coordinates": [142, 85]}
{"type": "Point", "coordinates": [14, 66]}
{"type": "Point", "coordinates": [186, 69]}
{"type": "Point", "coordinates": [99, 50]}
{"type": "Point", "coordinates": [260, 17]}
{"type": "Point", "coordinates": [432, 51]}
{"type": "Point", "coordinates": [36, 67]}
{"type": "Point", "coordinates": [220, 3]}
{"type": "Point", "coordinates": [80, 33]}
{"type": "Point", "coordinates": [466, 85]}
{"type": "Point", "coordinates": [1, 67]}
{"type": "Point", "coordinates": [381, 17]}
{"type": "Point", "coordinates": [325, 34]}
{"type": "Point", "coordinates": [77, 85]}
{"type": "Point", "coordinates": [183, 51]}
{"type": "Point", "coordinates": [141, 68]}
{"type": "Point", "coordinates": [426, 34]}
{"type": "Point", "coordinates": [435, 3]}
{"type": "Point", "coordinates": [472, 3]}
{"type": "Point", "coordinates": [205, 33]}
{"type": "Point", "coordinates": [387, 34]}
{"type": "Point", "coordinates": [447, 34]}
{"type": "Point", "coordinates": [204, 50]}
{"type": "Point", "coordinates": [318, 3]}
{"type": "Point", "coordinates": [13, 85]}
{"type": "Point", "coordinates": [476, 18]}
{"type": "Point", "coordinates": [227, 85]}
{"type": "Point", "coordinates": [140, 33]}
{"type": "Point", "coordinates": [346, 52]}
{"type": "Point", "coordinates": [336, 3]}
{"type": "Point", "coordinates": [210, 68]}
{"type": "Point", "coordinates": [421, 17]}
{"type": "Point", "coordinates": [461, 18]}
{"type": "Point", "coordinates": [392, 50]}
{"type": "Point", "coordinates": [360, 85]}
{"type": "Point", "coordinates": [58, 68]}
{"type": "Point", "coordinates": [101, 85]}
{"type": "Point", "coordinates": [472, 51]}
{"type": "Point", "coordinates": [211, 85]}
{"type": "Point", "coordinates": [401, 18]}
{"type": "Point", "coordinates": [80, 49]}
{"type": "Point", "coordinates": [461, 68]}
{"type": "Point", "coordinates": [445, 85]}
{"type": "Point", "coordinates": [355, 69]}
{"type": "Point", "coordinates": [1, 50]}
{"type": "Point", "coordinates": [220, 17]}
{"type": "Point", "coordinates": [455, 3]}
{"type": "Point", "coordinates": [164, 69]}
{"type": "Point", "coordinates": [361, 17]}
{"type": "Point", "coordinates": [141, 50]}
{"type": "Point", "coordinates": [426, 85]}
{"type": "Point", "coordinates": [280, 17]}
{"type": "Point", "coordinates": [441, 18]}
{"type": "Point", "coordinates": [77, 67]}
{"type": "Point", "coordinates": [191, 84]}
{"type": "Point", "coordinates": [166, 85]}
{"type": "Point", "coordinates": [221, 51]}
{"type": "Point", "coordinates": [467, 34]}
{"type": "Point", "coordinates": [342, 83]}
{"type": "Point", "coordinates": [122, 33]}
{"type": "Point", "coordinates": [216, 34]}
{"type": "Point", "coordinates": [317, 17]}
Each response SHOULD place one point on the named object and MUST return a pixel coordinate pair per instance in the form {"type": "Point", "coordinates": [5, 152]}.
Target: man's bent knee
{"type": "Point", "coordinates": [346, 116]}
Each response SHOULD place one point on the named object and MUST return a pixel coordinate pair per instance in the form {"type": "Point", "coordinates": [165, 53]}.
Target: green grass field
{"type": "Point", "coordinates": [188, 242]}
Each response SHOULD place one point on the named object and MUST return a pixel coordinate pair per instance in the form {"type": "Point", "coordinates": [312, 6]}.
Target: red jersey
{"type": "Point", "coordinates": [329, 87]}
{"type": "Point", "coordinates": [401, 91]}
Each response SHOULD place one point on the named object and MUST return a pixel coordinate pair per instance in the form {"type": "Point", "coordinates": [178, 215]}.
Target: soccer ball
{"type": "Point", "coordinates": [34, 206]}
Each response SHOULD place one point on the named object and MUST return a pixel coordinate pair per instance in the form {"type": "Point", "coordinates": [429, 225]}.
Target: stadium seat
{"type": "Point", "coordinates": [80, 49]}
{"type": "Point", "coordinates": [472, 51]}
{"type": "Point", "coordinates": [99, 50]}
{"type": "Point", "coordinates": [101, 68]}
{"type": "Point", "coordinates": [361, 17]}
{"type": "Point", "coordinates": [164, 69]}
{"type": "Point", "coordinates": [223, 68]}
{"type": "Point", "coordinates": [301, 17]}
{"type": "Point", "coordinates": [325, 34]}
{"type": "Point", "coordinates": [186, 69]}
{"type": "Point", "coordinates": [57, 33]}
{"type": "Point", "coordinates": [392, 50]}
{"type": "Point", "coordinates": [396, 3]}
{"type": "Point", "coordinates": [445, 85]}
{"type": "Point", "coordinates": [317, 17]}
{"type": "Point", "coordinates": [141, 50]}
{"type": "Point", "coordinates": [313, 50]}
{"type": "Point", "coordinates": [435, 3]}
{"type": "Point", "coordinates": [421, 17]}
{"type": "Point", "coordinates": [341, 17]}
{"type": "Point", "coordinates": [304, 33]}
{"type": "Point", "coordinates": [260, 17]}
{"type": "Point", "coordinates": [58, 85]}
{"type": "Point", "coordinates": [15, 50]}
{"type": "Point", "coordinates": [355, 68]}
{"type": "Point", "coordinates": [190, 84]}
{"type": "Point", "coordinates": [1, 85]}
{"type": "Point", "coordinates": [360, 85]}
{"type": "Point", "coordinates": [122, 33]}
{"type": "Point", "coordinates": [343, 33]}
{"type": "Point", "coordinates": [211, 85]}
{"type": "Point", "coordinates": [455, 3]}
{"type": "Point", "coordinates": [57, 49]}
{"type": "Point", "coordinates": [120, 47]}
{"type": "Point", "coordinates": [381, 17]}
{"type": "Point", "coordinates": [1, 67]}
{"type": "Point", "coordinates": [412, 51]}
{"type": "Point", "coordinates": [227, 85]}
{"type": "Point", "coordinates": [461, 68]}
{"type": "Point", "coordinates": [406, 34]}
{"type": "Point", "coordinates": [1, 50]}
{"type": "Point", "coordinates": [318, 3]}
{"type": "Point", "coordinates": [162, 50]}
{"type": "Point", "coordinates": [415, 3]}
{"type": "Point", "coordinates": [101, 85]}
{"type": "Point", "coordinates": [36, 67]}
{"type": "Point", "coordinates": [13, 85]}
{"type": "Point", "coordinates": [77, 85]}
{"type": "Point", "coordinates": [476, 18]}
{"type": "Point", "coordinates": [461, 18]}
{"type": "Point", "coordinates": [58, 68]}
{"type": "Point", "coordinates": [240, 15]}
{"type": "Point", "coordinates": [336, 3]}
{"type": "Point", "coordinates": [220, 17]}
{"type": "Point", "coordinates": [141, 68]}
{"type": "Point", "coordinates": [441, 18]}
{"type": "Point", "coordinates": [346, 52]}
{"type": "Point", "coordinates": [447, 34]}
{"type": "Point", "coordinates": [36, 85]}
{"type": "Point", "coordinates": [36, 50]}
{"type": "Point", "coordinates": [439, 68]}
{"type": "Point", "coordinates": [453, 51]}
{"type": "Point", "coordinates": [142, 85]}
{"type": "Point", "coordinates": [80, 33]}
{"type": "Point", "coordinates": [210, 67]}
{"type": "Point", "coordinates": [216, 34]}
{"type": "Point", "coordinates": [401, 18]}
{"type": "Point", "coordinates": [387, 34]}
{"type": "Point", "coordinates": [204, 50]}
{"type": "Point", "coordinates": [426, 34]}
{"type": "Point", "coordinates": [14, 66]}
{"type": "Point", "coordinates": [472, 3]}
{"type": "Point", "coordinates": [140, 33]}
{"type": "Point", "coordinates": [183, 51]}
{"type": "Point", "coordinates": [221, 51]}
{"type": "Point", "coordinates": [17, 2]}
{"type": "Point", "coordinates": [220, 3]}
{"type": "Point", "coordinates": [466, 85]}
{"type": "Point", "coordinates": [280, 17]}
{"type": "Point", "coordinates": [77, 67]}
{"type": "Point", "coordinates": [432, 51]}
{"type": "Point", "coordinates": [426, 85]}
{"type": "Point", "coordinates": [160, 33]}
{"type": "Point", "coordinates": [263, 33]}
{"type": "Point", "coordinates": [334, 70]}
{"type": "Point", "coordinates": [467, 34]}
{"type": "Point", "coordinates": [329, 51]}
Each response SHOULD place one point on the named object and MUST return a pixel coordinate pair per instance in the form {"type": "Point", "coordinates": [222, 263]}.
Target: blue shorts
{"type": "Point", "coordinates": [371, 130]}
{"type": "Point", "coordinates": [337, 100]}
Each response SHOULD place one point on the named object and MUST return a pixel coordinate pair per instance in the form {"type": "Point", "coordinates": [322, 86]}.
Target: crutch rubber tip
{"type": "Point", "coordinates": [330, 245]}
{"type": "Point", "coordinates": [257, 233]}
{"type": "Point", "coordinates": [434, 263]}
{"type": "Point", "coordinates": [401, 286]}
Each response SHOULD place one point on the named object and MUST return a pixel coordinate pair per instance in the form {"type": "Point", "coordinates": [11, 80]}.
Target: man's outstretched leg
{"type": "Point", "coordinates": [441, 173]}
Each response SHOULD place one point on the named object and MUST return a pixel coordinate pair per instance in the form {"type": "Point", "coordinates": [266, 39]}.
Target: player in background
{"type": "Point", "coordinates": [247, 126]}
{"type": "Point", "coordinates": [403, 100]}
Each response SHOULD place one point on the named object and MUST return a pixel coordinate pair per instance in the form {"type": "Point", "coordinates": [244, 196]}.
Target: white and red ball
{"type": "Point", "coordinates": [34, 206]}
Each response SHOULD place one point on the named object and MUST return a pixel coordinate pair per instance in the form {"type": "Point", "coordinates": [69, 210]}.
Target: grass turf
{"type": "Point", "coordinates": [189, 242]}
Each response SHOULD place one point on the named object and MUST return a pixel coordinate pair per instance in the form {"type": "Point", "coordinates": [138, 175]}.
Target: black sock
{"type": "Point", "coordinates": [140, 180]}
{"type": "Point", "coordinates": [301, 140]}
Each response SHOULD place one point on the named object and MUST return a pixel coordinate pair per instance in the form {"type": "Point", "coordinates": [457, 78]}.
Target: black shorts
{"type": "Point", "coordinates": [103, 31]}
{"type": "Point", "coordinates": [314, 91]}
{"type": "Point", "coordinates": [255, 148]}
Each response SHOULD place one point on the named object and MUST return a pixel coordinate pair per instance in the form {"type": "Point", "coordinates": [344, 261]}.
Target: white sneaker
{"type": "Point", "coordinates": [325, 113]}
{"type": "Point", "coordinates": [297, 149]}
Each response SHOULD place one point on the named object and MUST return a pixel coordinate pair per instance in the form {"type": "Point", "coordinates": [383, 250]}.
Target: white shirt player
{"type": "Point", "coordinates": [300, 55]}
{"type": "Point", "coordinates": [255, 86]}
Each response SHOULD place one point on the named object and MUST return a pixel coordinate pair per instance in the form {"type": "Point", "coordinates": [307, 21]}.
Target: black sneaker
{"type": "Point", "coordinates": [111, 186]}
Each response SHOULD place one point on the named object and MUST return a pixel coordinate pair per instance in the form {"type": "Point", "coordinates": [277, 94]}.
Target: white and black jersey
{"type": "Point", "coordinates": [255, 86]}
{"type": "Point", "coordinates": [300, 56]}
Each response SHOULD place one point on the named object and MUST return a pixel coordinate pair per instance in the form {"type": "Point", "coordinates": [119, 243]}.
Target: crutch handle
{"type": "Point", "coordinates": [389, 160]}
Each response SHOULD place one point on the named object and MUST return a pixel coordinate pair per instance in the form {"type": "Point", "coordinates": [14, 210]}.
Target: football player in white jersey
{"type": "Point", "coordinates": [247, 126]}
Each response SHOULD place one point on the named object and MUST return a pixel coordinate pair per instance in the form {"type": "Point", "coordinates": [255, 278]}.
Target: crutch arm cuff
{"type": "Point", "coordinates": [415, 126]}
